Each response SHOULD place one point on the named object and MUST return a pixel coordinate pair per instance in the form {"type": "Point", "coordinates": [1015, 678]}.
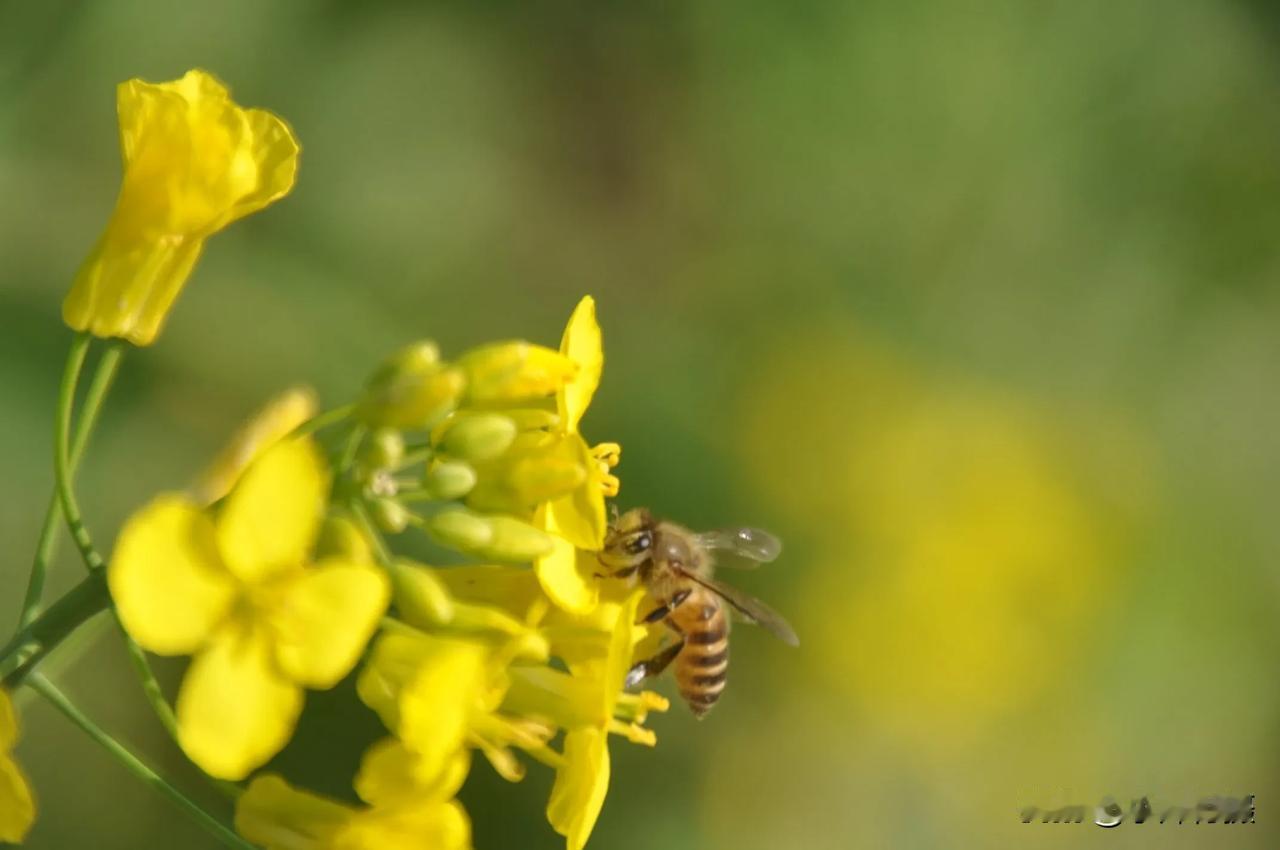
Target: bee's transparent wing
{"type": "Point", "coordinates": [753, 546]}
{"type": "Point", "coordinates": [751, 609]}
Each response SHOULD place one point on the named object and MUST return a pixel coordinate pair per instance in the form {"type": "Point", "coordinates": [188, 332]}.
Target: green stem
{"type": "Point", "coordinates": [46, 545]}
{"type": "Point", "coordinates": [350, 447]}
{"type": "Point", "coordinates": [61, 453]}
{"type": "Point", "coordinates": [323, 420]}
{"type": "Point", "coordinates": [71, 510]}
{"type": "Point", "coordinates": [380, 548]}
{"type": "Point", "coordinates": [41, 635]}
{"type": "Point", "coordinates": [134, 765]}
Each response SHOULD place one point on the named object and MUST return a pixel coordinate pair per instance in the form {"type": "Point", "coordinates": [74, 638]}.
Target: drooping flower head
{"type": "Point", "coordinates": [194, 161]}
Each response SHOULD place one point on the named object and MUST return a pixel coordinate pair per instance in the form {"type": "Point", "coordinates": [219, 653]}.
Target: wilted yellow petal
{"type": "Point", "coordinates": [326, 617]}
{"type": "Point", "coordinates": [167, 579]}
{"type": "Point", "coordinates": [235, 709]}
{"type": "Point", "coordinates": [270, 520]}
{"type": "Point", "coordinates": [280, 416]}
{"type": "Point", "coordinates": [567, 578]}
{"type": "Point", "coordinates": [193, 162]}
{"type": "Point", "coordinates": [277, 816]}
{"type": "Point", "coordinates": [581, 344]}
{"type": "Point", "coordinates": [580, 787]}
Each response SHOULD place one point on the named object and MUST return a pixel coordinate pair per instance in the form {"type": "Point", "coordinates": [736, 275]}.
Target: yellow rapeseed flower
{"type": "Point", "coordinates": [441, 696]}
{"type": "Point", "coordinates": [579, 519]}
{"type": "Point", "coordinates": [588, 703]}
{"type": "Point", "coordinates": [234, 590]}
{"type": "Point", "coordinates": [194, 161]}
{"type": "Point", "coordinates": [403, 812]}
{"type": "Point", "coordinates": [17, 807]}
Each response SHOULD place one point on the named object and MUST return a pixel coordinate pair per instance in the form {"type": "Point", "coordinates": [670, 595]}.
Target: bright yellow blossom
{"type": "Point", "coordinates": [194, 161]}
{"type": "Point", "coordinates": [441, 696]}
{"type": "Point", "coordinates": [589, 703]}
{"type": "Point", "coordinates": [275, 421]}
{"type": "Point", "coordinates": [17, 807]}
{"type": "Point", "coordinates": [403, 811]}
{"type": "Point", "coordinates": [579, 518]}
{"type": "Point", "coordinates": [234, 590]}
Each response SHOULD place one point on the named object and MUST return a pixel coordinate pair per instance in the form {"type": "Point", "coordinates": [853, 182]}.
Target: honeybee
{"type": "Point", "coordinates": [676, 566]}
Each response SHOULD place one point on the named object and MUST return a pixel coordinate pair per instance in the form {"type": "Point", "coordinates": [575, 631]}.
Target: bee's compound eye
{"type": "Point", "coordinates": [640, 543]}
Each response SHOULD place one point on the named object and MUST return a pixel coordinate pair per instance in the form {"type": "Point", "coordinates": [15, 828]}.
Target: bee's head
{"type": "Point", "coordinates": [629, 541]}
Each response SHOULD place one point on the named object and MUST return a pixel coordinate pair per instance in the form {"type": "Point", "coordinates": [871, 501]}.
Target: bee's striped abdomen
{"type": "Point", "coordinates": [703, 663]}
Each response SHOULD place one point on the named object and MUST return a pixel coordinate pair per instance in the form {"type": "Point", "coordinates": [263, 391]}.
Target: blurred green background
{"type": "Point", "coordinates": [975, 304]}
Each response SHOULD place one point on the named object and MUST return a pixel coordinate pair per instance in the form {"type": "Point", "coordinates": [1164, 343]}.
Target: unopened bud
{"type": "Point", "coordinates": [384, 448]}
{"type": "Point", "coordinates": [514, 540]}
{"type": "Point", "coordinates": [460, 529]}
{"type": "Point", "coordinates": [389, 515]}
{"type": "Point", "coordinates": [422, 598]}
{"type": "Point", "coordinates": [478, 436]}
{"type": "Point", "coordinates": [447, 480]}
{"type": "Point", "coordinates": [340, 538]}
{"type": "Point", "coordinates": [412, 389]}
{"type": "Point", "coordinates": [514, 371]}
{"type": "Point", "coordinates": [499, 538]}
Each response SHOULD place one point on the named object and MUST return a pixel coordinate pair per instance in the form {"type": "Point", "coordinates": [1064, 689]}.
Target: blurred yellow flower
{"type": "Point", "coordinates": [956, 547]}
{"type": "Point", "coordinates": [275, 421]}
{"type": "Point", "coordinates": [403, 813]}
{"type": "Point", "coordinates": [194, 161]}
{"type": "Point", "coordinates": [234, 591]}
{"type": "Point", "coordinates": [579, 519]}
{"type": "Point", "coordinates": [17, 807]}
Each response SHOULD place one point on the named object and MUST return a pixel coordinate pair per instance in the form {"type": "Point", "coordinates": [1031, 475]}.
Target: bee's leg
{"type": "Point", "coordinates": [653, 666]}
{"type": "Point", "coordinates": [665, 608]}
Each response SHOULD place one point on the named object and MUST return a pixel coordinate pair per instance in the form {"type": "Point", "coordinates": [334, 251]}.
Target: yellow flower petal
{"type": "Point", "coordinates": [266, 427]}
{"type": "Point", "coordinates": [581, 516]}
{"type": "Point", "coordinates": [235, 709]}
{"type": "Point", "coordinates": [437, 706]}
{"type": "Point", "coordinates": [439, 826]}
{"type": "Point", "coordinates": [581, 344]}
{"type": "Point", "coordinates": [17, 807]}
{"type": "Point", "coordinates": [327, 616]}
{"type": "Point", "coordinates": [193, 162]}
{"type": "Point", "coordinates": [566, 577]}
{"type": "Point", "coordinates": [271, 518]}
{"type": "Point", "coordinates": [580, 787]}
{"type": "Point", "coordinates": [8, 723]}
{"type": "Point", "coordinates": [273, 814]}
{"type": "Point", "coordinates": [391, 773]}
{"type": "Point", "coordinates": [167, 579]}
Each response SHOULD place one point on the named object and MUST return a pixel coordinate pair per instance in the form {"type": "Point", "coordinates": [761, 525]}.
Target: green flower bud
{"type": "Point", "coordinates": [390, 515]}
{"type": "Point", "coordinates": [447, 480]}
{"type": "Point", "coordinates": [384, 448]}
{"type": "Point", "coordinates": [342, 539]}
{"type": "Point", "coordinates": [514, 540]}
{"type": "Point", "coordinates": [412, 389]}
{"type": "Point", "coordinates": [527, 482]}
{"type": "Point", "coordinates": [499, 538]}
{"type": "Point", "coordinates": [478, 436]}
{"type": "Point", "coordinates": [421, 597]}
{"type": "Point", "coordinates": [533, 418]}
{"type": "Point", "coordinates": [460, 529]}
{"type": "Point", "coordinates": [514, 371]}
